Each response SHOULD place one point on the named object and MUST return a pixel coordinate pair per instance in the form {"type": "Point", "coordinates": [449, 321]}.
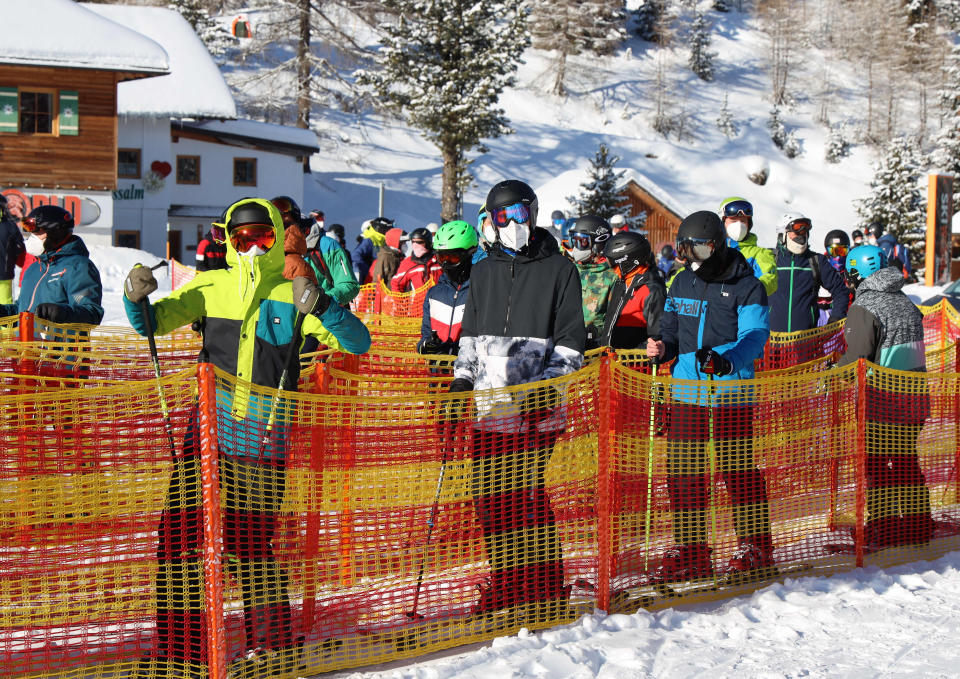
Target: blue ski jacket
{"type": "Point", "coordinates": [793, 307]}
{"type": "Point", "coordinates": [727, 313]}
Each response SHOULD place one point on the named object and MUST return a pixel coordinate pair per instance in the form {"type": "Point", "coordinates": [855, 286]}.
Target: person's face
{"type": "Point", "coordinates": [288, 219]}
{"type": "Point", "coordinates": [734, 219]}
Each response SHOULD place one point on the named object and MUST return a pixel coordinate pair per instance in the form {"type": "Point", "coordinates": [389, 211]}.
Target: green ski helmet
{"type": "Point", "coordinates": [456, 235]}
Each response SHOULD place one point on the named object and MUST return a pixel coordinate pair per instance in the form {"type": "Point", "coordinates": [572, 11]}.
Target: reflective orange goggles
{"type": "Point", "coordinates": [246, 236]}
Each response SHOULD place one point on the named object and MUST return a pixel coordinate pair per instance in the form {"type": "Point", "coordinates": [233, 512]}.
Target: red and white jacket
{"type": "Point", "coordinates": [443, 313]}
{"type": "Point", "coordinates": [413, 275]}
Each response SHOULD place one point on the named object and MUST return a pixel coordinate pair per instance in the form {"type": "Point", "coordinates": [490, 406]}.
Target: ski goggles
{"type": "Point", "coordinates": [799, 226]}
{"type": "Point", "coordinates": [282, 204]}
{"type": "Point", "coordinates": [518, 212]}
{"type": "Point", "coordinates": [580, 241]}
{"type": "Point", "coordinates": [837, 249]}
{"type": "Point", "coordinates": [451, 257]}
{"type": "Point", "coordinates": [29, 224]}
{"type": "Point", "coordinates": [738, 207]}
{"type": "Point", "coordinates": [696, 249]}
{"type": "Point", "coordinates": [249, 235]}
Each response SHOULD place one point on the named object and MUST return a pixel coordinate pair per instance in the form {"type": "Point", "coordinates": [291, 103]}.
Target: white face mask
{"type": "Point", "coordinates": [797, 247]}
{"type": "Point", "coordinates": [313, 236]}
{"type": "Point", "coordinates": [254, 251]}
{"type": "Point", "coordinates": [737, 230]}
{"type": "Point", "coordinates": [694, 265]}
{"type": "Point", "coordinates": [580, 255]}
{"type": "Point", "coordinates": [515, 236]}
{"type": "Point", "coordinates": [34, 245]}
{"type": "Point", "coordinates": [872, 240]}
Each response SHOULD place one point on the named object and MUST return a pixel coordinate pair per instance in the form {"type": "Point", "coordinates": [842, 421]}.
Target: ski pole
{"type": "Point", "coordinates": [155, 358]}
{"type": "Point", "coordinates": [446, 444]}
{"type": "Point", "coordinates": [650, 434]}
{"type": "Point", "coordinates": [275, 404]}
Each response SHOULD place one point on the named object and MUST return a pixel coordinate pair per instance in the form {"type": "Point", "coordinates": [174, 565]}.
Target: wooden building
{"type": "Point", "coordinates": [663, 215]}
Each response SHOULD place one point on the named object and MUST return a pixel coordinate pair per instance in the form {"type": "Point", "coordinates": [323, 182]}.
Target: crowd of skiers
{"type": "Point", "coordinates": [515, 305]}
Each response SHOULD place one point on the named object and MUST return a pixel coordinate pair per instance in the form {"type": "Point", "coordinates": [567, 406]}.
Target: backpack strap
{"type": "Point", "coordinates": [814, 259]}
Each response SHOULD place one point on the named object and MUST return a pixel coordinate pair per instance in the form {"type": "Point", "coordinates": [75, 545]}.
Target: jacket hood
{"type": "Point", "coordinates": [887, 238]}
{"type": "Point", "coordinates": [257, 268]}
{"type": "Point", "coordinates": [542, 245]}
{"type": "Point", "coordinates": [884, 280]}
{"type": "Point", "coordinates": [72, 247]}
{"type": "Point", "coordinates": [727, 264]}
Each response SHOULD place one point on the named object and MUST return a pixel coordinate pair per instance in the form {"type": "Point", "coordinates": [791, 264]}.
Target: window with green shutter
{"type": "Point", "coordinates": [9, 110]}
{"type": "Point", "coordinates": [69, 113]}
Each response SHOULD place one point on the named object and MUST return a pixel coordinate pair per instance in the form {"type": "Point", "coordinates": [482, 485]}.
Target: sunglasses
{"type": "Point", "coordinates": [696, 249]}
{"type": "Point", "coordinates": [738, 207]}
{"type": "Point", "coordinates": [246, 236]}
{"type": "Point", "coordinates": [418, 242]}
{"type": "Point", "coordinates": [837, 249]}
{"type": "Point", "coordinates": [518, 212]}
{"type": "Point", "coordinates": [800, 226]}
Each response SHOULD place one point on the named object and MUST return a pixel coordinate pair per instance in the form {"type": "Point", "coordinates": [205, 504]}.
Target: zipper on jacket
{"type": "Point", "coordinates": [453, 313]}
{"type": "Point", "coordinates": [33, 295]}
{"type": "Point", "coordinates": [506, 322]}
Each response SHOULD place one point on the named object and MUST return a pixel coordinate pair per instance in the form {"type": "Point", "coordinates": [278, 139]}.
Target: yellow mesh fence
{"type": "Point", "coordinates": [379, 299]}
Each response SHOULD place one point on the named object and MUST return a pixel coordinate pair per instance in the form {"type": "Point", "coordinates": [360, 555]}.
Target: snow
{"type": "Point", "coordinates": [897, 622]}
{"type": "Point", "coordinates": [194, 87]}
{"type": "Point", "coordinates": [71, 36]}
{"type": "Point", "coordinates": [254, 129]}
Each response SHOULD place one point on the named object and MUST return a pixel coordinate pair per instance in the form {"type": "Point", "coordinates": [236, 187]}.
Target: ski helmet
{"type": "Point", "coordinates": [863, 261]}
{"type": "Point", "coordinates": [589, 233]}
{"type": "Point", "coordinates": [247, 212]}
{"type": "Point", "coordinates": [667, 251]}
{"type": "Point", "coordinates": [381, 224]}
{"type": "Point", "coordinates": [618, 223]}
{"type": "Point", "coordinates": [857, 233]}
{"type": "Point", "coordinates": [338, 231]}
{"type": "Point", "coordinates": [628, 251]}
{"type": "Point", "coordinates": [875, 229]}
{"type": "Point", "coordinates": [557, 216]}
{"type": "Point", "coordinates": [52, 220]}
{"type": "Point", "coordinates": [512, 192]}
{"type": "Point", "coordinates": [423, 234]}
{"type": "Point", "coordinates": [456, 235]}
{"type": "Point", "coordinates": [793, 221]}
{"type": "Point", "coordinates": [700, 235]}
{"type": "Point", "coordinates": [734, 206]}
{"type": "Point", "coordinates": [288, 208]}
{"type": "Point", "coordinates": [836, 243]}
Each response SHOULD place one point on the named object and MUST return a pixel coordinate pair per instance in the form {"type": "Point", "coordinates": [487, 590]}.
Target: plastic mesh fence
{"type": "Point", "coordinates": [180, 274]}
{"type": "Point", "coordinates": [379, 299]}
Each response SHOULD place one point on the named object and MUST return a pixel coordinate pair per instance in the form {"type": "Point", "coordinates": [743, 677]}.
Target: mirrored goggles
{"type": "Point", "coordinates": [246, 236]}
{"type": "Point", "coordinates": [29, 224]}
{"type": "Point", "coordinates": [799, 226]}
{"type": "Point", "coordinates": [518, 212]}
{"type": "Point", "coordinates": [580, 241]}
{"type": "Point", "coordinates": [837, 250]}
{"type": "Point", "coordinates": [696, 249]}
{"type": "Point", "coordinates": [738, 207]}
{"type": "Point", "coordinates": [451, 257]}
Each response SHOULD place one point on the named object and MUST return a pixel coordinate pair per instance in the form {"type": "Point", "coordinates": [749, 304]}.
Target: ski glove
{"type": "Point", "coordinates": [460, 384]}
{"type": "Point", "coordinates": [55, 313]}
{"type": "Point", "coordinates": [539, 404]}
{"type": "Point", "coordinates": [308, 298]}
{"type": "Point", "coordinates": [434, 345]}
{"type": "Point", "coordinates": [451, 411]}
{"type": "Point", "coordinates": [712, 363]}
{"type": "Point", "coordinates": [140, 283]}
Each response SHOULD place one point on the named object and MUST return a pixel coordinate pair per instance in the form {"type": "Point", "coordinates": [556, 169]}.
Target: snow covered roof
{"type": "Point", "coordinates": [655, 191]}
{"type": "Point", "coordinates": [193, 89]}
{"type": "Point", "coordinates": [61, 33]}
{"type": "Point", "coordinates": [254, 132]}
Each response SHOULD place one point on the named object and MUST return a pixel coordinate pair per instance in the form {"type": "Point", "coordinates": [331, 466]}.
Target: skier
{"type": "Point", "coordinates": [737, 216]}
{"type": "Point", "coordinates": [715, 323]}
{"type": "Point", "coordinates": [253, 321]}
{"type": "Point", "coordinates": [294, 240]}
{"type": "Point", "coordinates": [331, 266]}
{"type": "Point", "coordinates": [62, 285]}
{"type": "Point", "coordinates": [444, 303]}
{"type": "Point", "coordinates": [619, 224]}
{"type": "Point", "coordinates": [897, 253]}
{"type": "Point", "coordinates": [11, 250]}
{"type": "Point", "coordinates": [857, 237]}
{"type": "Point", "coordinates": [665, 260]}
{"type": "Point", "coordinates": [371, 240]}
{"type": "Point", "coordinates": [420, 266]}
{"type": "Point", "coordinates": [800, 273]}
{"type": "Point", "coordinates": [522, 323]}
{"type": "Point", "coordinates": [212, 249]}
{"type": "Point", "coordinates": [836, 244]}
{"type": "Point", "coordinates": [587, 237]}
{"type": "Point", "coordinates": [886, 328]}
{"type": "Point", "coordinates": [389, 256]}
{"type": "Point", "coordinates": [636, 301]}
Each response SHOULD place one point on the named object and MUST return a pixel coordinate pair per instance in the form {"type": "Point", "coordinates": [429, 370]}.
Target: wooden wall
{"type": "Point", "coordinates": [86, 161]}
{"type": "Point", "coordinates": [662, 224]}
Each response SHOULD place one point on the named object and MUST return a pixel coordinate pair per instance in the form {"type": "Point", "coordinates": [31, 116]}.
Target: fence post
{"type": "Point", "coordinates": [25, 331]}
{"type": "Point", "coordinates": [318, 445]}
{"type": "Point", "coordinates": [604, 487]}
{"type": "Point", "coordinates": [212, 527]}
{"type": "Point", "coordinates": [861, 459]}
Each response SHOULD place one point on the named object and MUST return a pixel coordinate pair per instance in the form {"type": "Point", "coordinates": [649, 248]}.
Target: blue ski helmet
{"type": "Point", "coordinates": [863, 261]}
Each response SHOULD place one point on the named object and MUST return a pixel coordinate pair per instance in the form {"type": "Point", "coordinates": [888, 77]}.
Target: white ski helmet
{"type": "Point", "coordinates": [788, 218]}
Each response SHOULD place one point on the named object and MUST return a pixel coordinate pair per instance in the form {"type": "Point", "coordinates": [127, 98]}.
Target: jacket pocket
{"type": "Point", "coordinates": [275, 324]}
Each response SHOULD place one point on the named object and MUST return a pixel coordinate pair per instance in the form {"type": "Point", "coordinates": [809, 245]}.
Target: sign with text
{"type": "Point", "coordinates": [84, 209]}
{"type": "Point", "coordinates": [939, 218]}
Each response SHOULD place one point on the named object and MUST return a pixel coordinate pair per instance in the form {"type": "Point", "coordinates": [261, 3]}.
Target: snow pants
{"type": "Point", "coordinates": [898, 502]}
{"type": "Point", "coordinates": [518, 524]}
{"type": "Point", "coordinates": [689, 466]}
{"type": "Point", "coordinates": [252, 490]}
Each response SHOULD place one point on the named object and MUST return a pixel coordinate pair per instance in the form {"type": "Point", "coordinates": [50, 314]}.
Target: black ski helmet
{"type": "Point", "coordinates": [596, 228]}
{"type": "Point", "coordinates": [423, 234]}
{"type": "Point", "coordinates": [54, 221]}
{"type": "Point", "coordinates": [875, 229]}
{"type": "Point", "coordinates": [667, 251]}
{"type": "Point", "coordinates": [511, 191]}
{"type": "Point", "coordinates": [703, 225]}
{"type": "Point", "coordinates": [248, 212]}
{"type": "Point", "coordinates": [287, 205]}
{"type": "Point", "coordinates": [381, 224]}
{"type": "Point", "coordinates": [836, 236]}
{"type": "Point", "coordinates": [627, 250]}
{"type": "Point", "coordinates": [557, 216]}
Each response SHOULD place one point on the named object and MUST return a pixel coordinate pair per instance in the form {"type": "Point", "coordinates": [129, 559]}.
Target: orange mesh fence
{"type": "Point", "coordinates": [785, 349]}
{"type": "Point", "coordinates": [180, 274]}
{"type": "Point", "coordinates": [379, 299]}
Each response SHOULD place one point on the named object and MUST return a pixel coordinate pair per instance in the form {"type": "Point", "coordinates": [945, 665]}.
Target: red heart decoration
{"type": "Point", "coordinates": [161, 167]}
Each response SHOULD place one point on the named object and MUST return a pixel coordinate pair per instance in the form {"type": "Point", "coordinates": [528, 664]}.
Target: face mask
{"type": "Point", "coordinates": [515, 236]}
{"type": "Point", "coordinates": [418, 250]}
{"type": "Point", "coordinates": [797, 246]}
{"type": "Point", "coordinates": [313, 236]}
{"type": "Point", "coordinates": [254, 251]}
{"type": "Point", "coordinates": [694, 265]}
{"type": "Point", "coordinates": [580, 255]}
{"type": "Point", "coordinates": [457, 272]}
{"type": "Point", "coordinates": [34, 245]}
{"type": "Point", "coordinates": [737, 230]}
{"type": "Point", "coordinates": [872, 240]}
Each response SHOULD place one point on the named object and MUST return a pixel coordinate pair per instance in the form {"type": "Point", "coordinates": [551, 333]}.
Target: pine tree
{"type": "Point", "coordinates": [778, 131]}
{"type": "Point", "coordinates": [701, 58]}
{"type": "Point", "coordinates": [444, 65]}
{"type": "Point", "coordinates": [945, 156]}
{"type": "Point", "coordinates": [725, 122]}
{"type": "Point", "coordinates": [648, 19]}
{"type": "Point", "coordinates": [600, 195]}
{"type": "Point", "coordinates": [896, 200]}
{"type": "Point", "coordinates": [572, 27]}
{"type": "Point", "coordinates": [214, 35]}
{"type": "Point", "coordinates": [836, 147]}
